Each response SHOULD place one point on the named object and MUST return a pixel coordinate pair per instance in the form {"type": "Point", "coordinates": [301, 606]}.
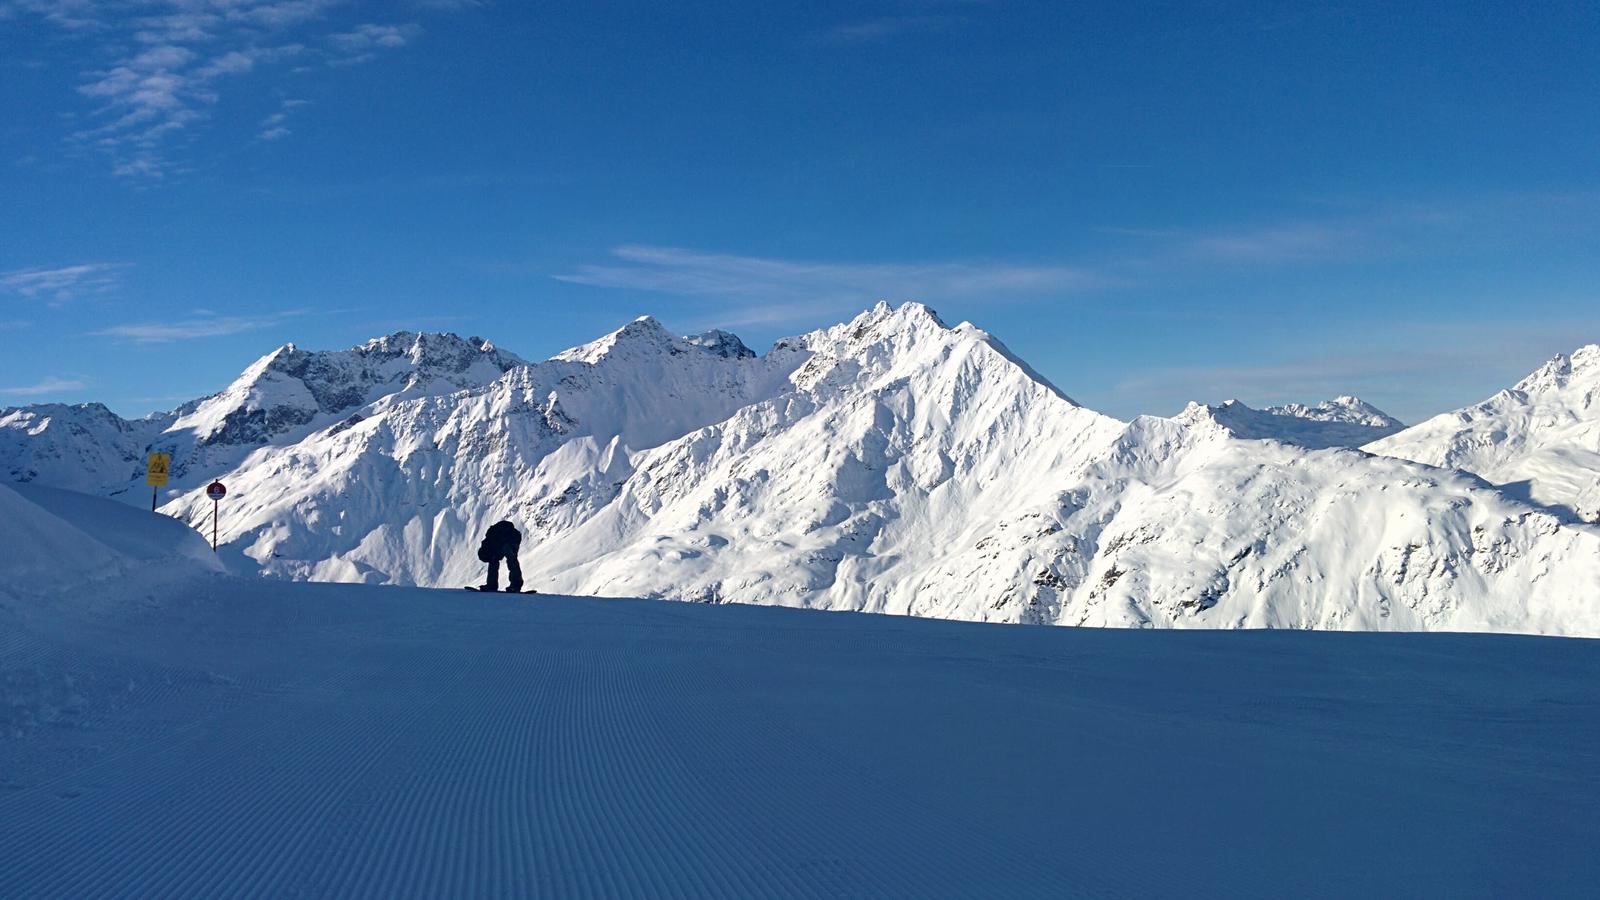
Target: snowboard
{"type": "Point", "coordinates": [477, 590]}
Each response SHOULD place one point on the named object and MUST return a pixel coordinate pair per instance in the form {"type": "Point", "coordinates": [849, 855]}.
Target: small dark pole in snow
{"type": "Point", "coordinates": [216, 492]}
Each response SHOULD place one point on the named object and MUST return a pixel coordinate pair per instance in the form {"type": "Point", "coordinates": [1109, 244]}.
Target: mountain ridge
{"type": "Point", "coordinates": [891, 463]}
{"type": "Point", "coordinates": [1538, 440]}
{"type": "Point", "coordinates": [1341, 422]}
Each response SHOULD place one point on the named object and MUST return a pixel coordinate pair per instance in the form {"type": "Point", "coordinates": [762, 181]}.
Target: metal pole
{"type": "Point", "coordinates": [216, 507]}
{"type": "Point", "coordinates": [153, 492]}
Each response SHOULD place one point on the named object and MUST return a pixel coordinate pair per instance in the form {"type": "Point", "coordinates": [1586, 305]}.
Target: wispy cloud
{"type": "Point", "coordinates": [363, 43]}
{"type": "Point", "coordinates": [147, 99]}
{"type": "Point", "coordinates": [904, 17]}
{"type": "Point", "coordinates": [272, 128]}
{"type": "Point", "coordinates": [782, 289]}
{"type": "Point", "coordinates": [168, 63]}
{"type": "Point", "coordinates": [73, 14]}
{"type": "Point", "coordinates": [60, 285]}
{"type": "Point", "coordinates": [202, 325]}
{"type": "Point", "coordinates": [1290, 243]}
{"type": "Point", "coordinates": [1342, 233]}
{"type": "Point", "coordinates": [50, 385]}
{"type": "Point", "coordinates": [881, 28]}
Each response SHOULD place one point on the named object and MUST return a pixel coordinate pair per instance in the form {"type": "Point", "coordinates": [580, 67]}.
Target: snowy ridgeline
{"type": "Point", "coordinates": [167, 730]}
{"type": "Point", "coordinates": [888, 464]}
{"type": "Point", "coordinates": [1539, 440]}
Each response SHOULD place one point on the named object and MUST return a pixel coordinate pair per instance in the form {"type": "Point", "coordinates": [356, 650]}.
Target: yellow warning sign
{"type": "Point", "coordinates": [160, 465]}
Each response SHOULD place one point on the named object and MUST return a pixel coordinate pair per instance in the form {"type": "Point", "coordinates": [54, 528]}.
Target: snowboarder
{"type": "Point", "coordinates": [501, 542]}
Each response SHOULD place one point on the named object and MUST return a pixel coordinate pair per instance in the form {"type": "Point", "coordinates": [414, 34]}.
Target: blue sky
{"type": "Point", "coordinates": [1151, 202]}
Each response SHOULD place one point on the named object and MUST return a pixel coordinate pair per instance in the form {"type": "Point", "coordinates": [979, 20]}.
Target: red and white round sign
{"type": "Point", "coordinates": [216, 491]}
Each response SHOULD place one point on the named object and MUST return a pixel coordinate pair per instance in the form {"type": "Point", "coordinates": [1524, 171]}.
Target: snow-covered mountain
{"type": "Point", "coordinates": [290, 389]}
{"type": "Point", "coordinates": [398, 491]}
{"type": "Point", "coordinates": [85, 447]}
{"type": "Point", "coordinates": [280, 398]}
{"type": "Point", "coordinates": [1539, 440]}
{"type": "Point", "coordinates": [1340, 422]}
{"type": "Point", "coordinates": [890, 464]}
{"type": "Point", "coordinates": [919, 469]}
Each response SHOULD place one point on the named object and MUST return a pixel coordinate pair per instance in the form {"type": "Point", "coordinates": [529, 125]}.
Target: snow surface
{"type": "Point", "coordinates": [892, 463]}
{"type": "Point", "coordinates": [1539, 440]}
{"type": "Point", "coordinates": [51, 549]}
{"type": "Point", "coordinates": [179, 732]}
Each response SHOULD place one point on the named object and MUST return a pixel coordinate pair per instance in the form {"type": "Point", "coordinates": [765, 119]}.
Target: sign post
{"type": "Point", "coordinates": [216, 492]}
{"type": "Point", "coordinates": [155, 474]}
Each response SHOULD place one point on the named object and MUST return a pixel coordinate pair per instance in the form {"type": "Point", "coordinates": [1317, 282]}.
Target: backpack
{"type": "Point", "coordinates": [501, 534]}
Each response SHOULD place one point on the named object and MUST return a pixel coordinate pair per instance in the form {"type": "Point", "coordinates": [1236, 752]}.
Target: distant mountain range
{"type": "Point", "coordinates": [1340, 422]}
{"type": "Point", "coordinates": [888, 464]}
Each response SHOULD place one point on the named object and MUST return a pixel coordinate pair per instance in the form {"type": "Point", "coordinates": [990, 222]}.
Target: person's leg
{"type": "Point", "coordinates": [493, 583]}
{"type": "Point", "coordinates": [513, 571]}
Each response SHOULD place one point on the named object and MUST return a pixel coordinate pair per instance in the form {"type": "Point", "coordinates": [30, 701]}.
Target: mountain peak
{"type": "Point", "coordinates": [908, 313]}
{"type": "Point", "coordinates": [289, 387]}
{"type": "Point", "coordinates": [444, 349]}
{"type": "Point", "coordinates": [644, 335]}
{"type": "Point", "coordinates": [883, 321]}
{"type": "Point", "coordinates": [721, 343]}
{"type": "Point", "coordinates": [1344, 408]}
{"type": "Point", "coordinates": [1583, 364]}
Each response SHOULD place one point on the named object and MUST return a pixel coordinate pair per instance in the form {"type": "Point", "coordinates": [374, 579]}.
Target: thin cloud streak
{"type": "Point", "coordinates": [866, 31]}
{"type": "Point", "coordinates": [786, 290]}
{"type": "Point", "coordinates": [273, 127]}
{"type": "Point", "coordinates": [64, 284]}
{"type": "Point", "coordinates": [1294, 243]}
{"type": "Point", "coordinates": [50, 385]}
{"type": "Point", "coordinates": [1364, 232]}
{"type": "Point", "coordinates": [204, 326]}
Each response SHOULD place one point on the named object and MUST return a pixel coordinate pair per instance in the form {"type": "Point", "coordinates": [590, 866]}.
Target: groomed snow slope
{"type": "Point", "coordinates": [237, 737]}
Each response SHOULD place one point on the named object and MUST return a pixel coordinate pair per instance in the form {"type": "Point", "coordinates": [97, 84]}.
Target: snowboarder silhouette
{"type": "Point", "coordinates": [501, 542]}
